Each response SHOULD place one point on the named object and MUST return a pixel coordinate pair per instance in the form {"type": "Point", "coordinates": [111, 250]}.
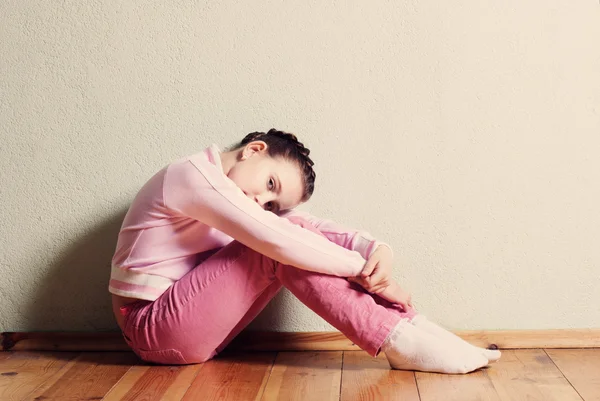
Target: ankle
{"type": "Point", "coordinates": [418, 318]}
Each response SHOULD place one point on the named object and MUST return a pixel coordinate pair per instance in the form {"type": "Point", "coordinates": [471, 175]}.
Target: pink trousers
{"type": "Point", "coordinates": [199, 315]}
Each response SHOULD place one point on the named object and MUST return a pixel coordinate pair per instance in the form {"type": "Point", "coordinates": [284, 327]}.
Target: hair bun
{"type": "Point", "coordinates": [287, 145]}
{"type": "Point", "coordinates": [293, 139]}
{"type": "Point", "coordinates": [253, 136]}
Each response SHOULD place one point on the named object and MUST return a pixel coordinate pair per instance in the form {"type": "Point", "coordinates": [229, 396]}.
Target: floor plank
{"type": "Point", "coordinates": [54, 379]}
{"type": "Point", "coordinates": [529, 374]}
{"type": "Point", "coordinates": [305, 376]}
{"type": "Point", "coordinates": [182, 383]}
{"type": "Point", "coordinates": [90, 377]}
{"type": "Point", "coordinates": [366, 378]}
{"type": "Point", "coordinates": [154, 383]}
{"type": "Point", "coordinates": [23, 372]}
{"type": "Point", "coordinates": [126, 383]}
{"type": "Point", "coordinates": [582, 368]}
{"type": "Point", "coordinates": [237, 377]}
{"type": "Point", "coordinates": [475, 386]}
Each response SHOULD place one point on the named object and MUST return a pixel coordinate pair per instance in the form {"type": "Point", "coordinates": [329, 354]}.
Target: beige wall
{"type": "Point", "coordinates": [465, 134]}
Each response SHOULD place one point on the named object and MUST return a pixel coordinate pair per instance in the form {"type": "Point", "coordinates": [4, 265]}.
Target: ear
{"type": "Point", "coordinates": [253, 148]}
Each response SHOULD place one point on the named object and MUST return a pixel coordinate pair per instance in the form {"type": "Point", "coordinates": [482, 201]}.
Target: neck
{"type": "Point", "coordinates": [227, 160]}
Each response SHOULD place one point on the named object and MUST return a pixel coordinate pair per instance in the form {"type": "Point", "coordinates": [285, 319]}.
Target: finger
{"type": "Point", "coordinates": [360, 282]}
{"type": "Point", "coordinates": [379, 289]}
{"type": "Point", "coordinates": [367, 286]}
{"type": "Point", "coordinates": [381, 285]}
{"type": "Point", "coordinates": [369, 267]}
{"type": "Point", "coordinates": [377, 276]}
{"type": "Point", "coordinates": [384, 283]}
{"type": "Point", "coordinates": [374, 285]}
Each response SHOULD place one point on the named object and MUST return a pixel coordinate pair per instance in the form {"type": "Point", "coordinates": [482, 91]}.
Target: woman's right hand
{"type": "Point", "coordinates": [397, 295]}
{"type": "Point", "coordinates": [377, 272]}
{"type": "Point", "coordinates": [392, 293]}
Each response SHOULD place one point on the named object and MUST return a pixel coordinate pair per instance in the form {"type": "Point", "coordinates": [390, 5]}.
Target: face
{"type": "Point", "coordinates": [274, 183]}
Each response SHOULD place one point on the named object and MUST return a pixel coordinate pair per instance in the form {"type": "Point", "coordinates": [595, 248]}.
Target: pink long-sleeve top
{"type": "Point", "coordinates": [191, 208]}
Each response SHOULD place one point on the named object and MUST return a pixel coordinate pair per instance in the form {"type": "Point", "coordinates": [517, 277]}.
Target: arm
{"type": "Point", "coordinates": [349, 238]}
{"type": "Point", "coordinates": [197, 189]}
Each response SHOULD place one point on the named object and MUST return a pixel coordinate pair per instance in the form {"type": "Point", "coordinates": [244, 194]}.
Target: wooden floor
{"type": "Point", "coordinates": [526, 374]}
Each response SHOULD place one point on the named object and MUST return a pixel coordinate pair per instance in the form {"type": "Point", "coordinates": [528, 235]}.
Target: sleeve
{"type": "Point", "coordinates": [349, 238]}
{"type": "Point", "coordinates": [199, 190]}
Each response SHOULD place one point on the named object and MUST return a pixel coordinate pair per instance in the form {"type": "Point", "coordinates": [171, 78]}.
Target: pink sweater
{"type": "Point", "coordinates": [191, 207]}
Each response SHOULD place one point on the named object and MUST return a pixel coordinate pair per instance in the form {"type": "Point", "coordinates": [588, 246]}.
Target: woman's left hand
{"type": "Point", "coordinates": [376, 275]}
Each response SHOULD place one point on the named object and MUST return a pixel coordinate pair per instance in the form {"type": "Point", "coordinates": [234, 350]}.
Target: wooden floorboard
{"type": "Point", "coordinates": [154, 383]}
{"type": "Point", "coordinates": [366, 378]}
{"type": "Point", "coordinates": [305, 375]}
{"type": "Point", "coordinates": [122, 389]}
{"type": "Point", "coordinates": [471, 387]}
{"type": "Point", "coordinates": [581, 367]}
{"type": "Point", "coordinates": [232, 377]}
{"type": "Point", "coordinates": [24, 375]}
{"type": "Point", "coordinates": [530, 375]}
{"type": "Point", "coordinates": [90, 377]}
{"type": "Point", "coordinates": [525, 374]}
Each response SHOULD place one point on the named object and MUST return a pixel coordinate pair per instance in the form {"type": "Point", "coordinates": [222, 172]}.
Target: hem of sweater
{"type": "Point", "coordinates": [131, 283]}
{"type": "Point", "coordinates": [132, 294]}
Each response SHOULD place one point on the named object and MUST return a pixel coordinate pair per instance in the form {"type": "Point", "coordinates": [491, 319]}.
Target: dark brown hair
{"type": "Point", "coordinates": [286, 146]}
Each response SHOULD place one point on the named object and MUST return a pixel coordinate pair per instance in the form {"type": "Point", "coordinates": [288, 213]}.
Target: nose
{"type": "Point", "coordinates": [262, 200]}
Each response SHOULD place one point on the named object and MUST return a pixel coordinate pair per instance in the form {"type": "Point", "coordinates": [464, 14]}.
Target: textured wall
{"type": "Point", "coordinates": [465, 134]}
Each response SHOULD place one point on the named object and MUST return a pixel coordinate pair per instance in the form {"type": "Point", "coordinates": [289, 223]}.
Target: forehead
{"type": "Point", "coordinates": [289, 178]}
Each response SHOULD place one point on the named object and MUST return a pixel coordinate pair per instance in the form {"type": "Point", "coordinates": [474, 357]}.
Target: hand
{"type": "Point", "coordinates": [376, 275]}
{"type": "Point", "coordinates": [397, 295]}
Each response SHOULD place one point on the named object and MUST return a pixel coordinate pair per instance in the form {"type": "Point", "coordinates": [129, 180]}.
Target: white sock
{"type": "Point", "coordinates": [427, 325]}
{"type": "Point", "coordinates": [410, 348]}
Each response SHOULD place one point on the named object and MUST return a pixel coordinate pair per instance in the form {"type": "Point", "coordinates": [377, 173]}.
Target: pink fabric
{"type": "Point", "coordinates": [191, 208]}
{"type": "Point", "coordinates": [195, 318]}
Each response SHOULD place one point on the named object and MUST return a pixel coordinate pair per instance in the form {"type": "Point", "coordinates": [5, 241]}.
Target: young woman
{"type": "Point", "coordinates": [211, 238]}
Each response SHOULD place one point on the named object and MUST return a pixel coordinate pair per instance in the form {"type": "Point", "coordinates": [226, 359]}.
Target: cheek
{"type": "Point", "coordinates": [237, 177]}
{"type": "Point", "coordinates": [244, 179]}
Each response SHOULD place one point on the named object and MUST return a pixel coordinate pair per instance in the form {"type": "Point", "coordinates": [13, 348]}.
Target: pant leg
{"type": "Point", "coordinates": [258, 305]}
{"type": "Point", "coordinates": [366, 319]}
{"type": "Point", "coordinates": [197, 316]}
{"type": "Point", "coordinates": [208, 305]}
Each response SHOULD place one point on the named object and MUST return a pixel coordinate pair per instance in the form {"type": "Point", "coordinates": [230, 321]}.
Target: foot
{"type": "Point", "coordinates": [425, 324]}
{"type": "Point", "coordinates": [410, 348]}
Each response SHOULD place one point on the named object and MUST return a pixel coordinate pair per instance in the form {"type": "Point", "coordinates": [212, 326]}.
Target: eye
{"type": "Point", "coordinates": [271, 184]}
{"type": "Point", "coordinates": [272, 207]}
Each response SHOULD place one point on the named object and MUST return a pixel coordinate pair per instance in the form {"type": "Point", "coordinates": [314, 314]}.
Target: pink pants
{"type": "Point", "coordinates": [199, 315]}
